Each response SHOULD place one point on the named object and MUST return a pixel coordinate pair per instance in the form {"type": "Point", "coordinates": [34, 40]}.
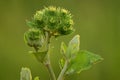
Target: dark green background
{"type": "Point", "coordinates": [97, 22]}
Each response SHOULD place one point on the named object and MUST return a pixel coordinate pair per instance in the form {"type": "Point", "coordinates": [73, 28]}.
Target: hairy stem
{"type": "Point", "coordinates": [49, 67]}
{"type": "Point", "coordinates": [47, 62]}
{"type": "Point", "coordinates": [60, 77]}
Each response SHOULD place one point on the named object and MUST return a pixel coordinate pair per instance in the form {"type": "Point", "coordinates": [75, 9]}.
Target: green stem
{"type": "Point", "coordinates": [49, 67]}
{"type": "Point", "coordinates": [60, 77]}
{"type": "Point", "coordinates": [47, 62]}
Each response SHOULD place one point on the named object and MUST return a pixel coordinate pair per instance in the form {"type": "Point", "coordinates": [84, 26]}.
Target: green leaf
{"type": "Point", "coordinates": [63, 48]}
{"type": "Point", "coordinates": [73, 47]}
{"type": "Point", "coordinates": [83, 61]}
{"type": "Point", "coordinates": [40, 56]}
{"type": "Point", "coordinates": [36, 78]}
{"type": "Point", "coordinates": [25, 74]}
{"type": "Point", "coordinates": [70, 51]}
{"type": "Point", "coordinates": [61, 63]}
{"type": "Point", "coordinates": [31, 24]}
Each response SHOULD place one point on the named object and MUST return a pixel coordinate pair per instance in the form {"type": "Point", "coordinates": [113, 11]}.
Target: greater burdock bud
{"type": "Point", "coordinates": [34, 38]}
{"type": "Point", "coordinates": [56, 21]}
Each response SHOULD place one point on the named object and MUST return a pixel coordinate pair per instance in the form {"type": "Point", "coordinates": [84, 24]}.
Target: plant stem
{"type": "Point", "coordinates": [47, 62]}
{"type": "Point", "coordinates": [49, 67]}
{"type": "Point", "coordinates": [60, 77]}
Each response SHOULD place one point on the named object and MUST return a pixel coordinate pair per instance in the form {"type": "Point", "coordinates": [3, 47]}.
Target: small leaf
{"type": "Point", "coordinates": [40, 56]}
{"type": "Point", "coordinates": [25, 74]}
{"type": "Point", "coordinates": [31, 24]}
{"type": "Point", "coordinates": [73, 47]}
{"type": "Point", "coordinates": [63, 48]}
{"type": "Point", "coordinates": [70, 51]}
{"type": "Point", "coordinates": [83, 61]}
{"type": "Point", "coordinates": [36, 78]}
{"type": "Point", "coordinates": [61, 63]}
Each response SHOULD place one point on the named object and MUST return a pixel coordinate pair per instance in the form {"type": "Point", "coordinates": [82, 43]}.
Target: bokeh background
{"type": "Point", "coordinates": [97, 22]}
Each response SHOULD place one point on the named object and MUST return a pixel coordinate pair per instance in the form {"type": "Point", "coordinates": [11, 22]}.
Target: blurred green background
{"type": "Point", "coordinates": [97, 22]}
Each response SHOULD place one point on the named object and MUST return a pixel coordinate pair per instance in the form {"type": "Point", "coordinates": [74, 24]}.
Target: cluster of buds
{"type": "Point", "coordinates": [55, 21]}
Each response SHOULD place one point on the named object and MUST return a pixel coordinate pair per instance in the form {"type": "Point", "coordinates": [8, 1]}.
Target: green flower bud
{"type": "Point", "coordinates": [38, 15]}
{"type": "Point", "coordinates": [34, 38]}
{"type": "Point", "coordinates": [57, 21]}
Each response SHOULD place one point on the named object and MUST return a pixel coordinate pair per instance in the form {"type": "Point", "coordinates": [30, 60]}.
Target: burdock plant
{"type": "Point", "coordinates": [55, 22]}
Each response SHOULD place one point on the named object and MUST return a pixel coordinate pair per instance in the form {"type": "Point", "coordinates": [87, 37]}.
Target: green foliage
{"type": "Point", "coordinates": [73, 47]}
{"type": "Point", "coordinates": [36, 78]}
{"type": "Point", "coordinates": [40, 56]}
{"type": "Point", "coordinates": [63, 49]}
{"type": "Point", "coordinates": [25, 74]}
{"type": "Point", "coordinates": [83, 61]}
{"type": "Point", "coordinates": [79, 60]}
{"type": "Point", "coordinates": [62, 63]}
